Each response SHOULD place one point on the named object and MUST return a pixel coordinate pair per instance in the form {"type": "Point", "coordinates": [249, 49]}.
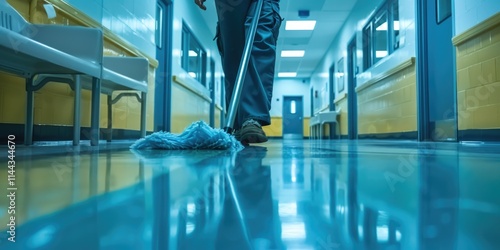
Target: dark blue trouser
{"type": "Point", "coordinates": [235, 17]}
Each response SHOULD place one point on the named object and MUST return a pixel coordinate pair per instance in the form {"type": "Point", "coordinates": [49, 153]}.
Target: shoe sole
{"type": "Point", "coordinates": [253, 138]}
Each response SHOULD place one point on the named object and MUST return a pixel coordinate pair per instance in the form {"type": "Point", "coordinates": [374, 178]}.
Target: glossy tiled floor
{"type": "Point", "coordinates": [278, 195]}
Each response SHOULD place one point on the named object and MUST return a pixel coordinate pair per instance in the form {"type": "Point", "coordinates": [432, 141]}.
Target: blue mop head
{"type": "Point", "coordinates": [197, 136]}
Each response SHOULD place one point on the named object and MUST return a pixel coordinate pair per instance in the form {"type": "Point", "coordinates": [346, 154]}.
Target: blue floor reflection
{"type": "Point", "coordinates": [282, 195]}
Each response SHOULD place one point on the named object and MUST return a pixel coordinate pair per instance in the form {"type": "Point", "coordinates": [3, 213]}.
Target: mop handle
{"type": "Point", "coordinates": [235, 98]}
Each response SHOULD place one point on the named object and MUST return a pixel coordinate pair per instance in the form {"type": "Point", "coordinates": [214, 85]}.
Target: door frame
{"type": "Point", "coordinates": [223, 101]}
{"type": "Point", "coordinates": [211, 88]}
{"type": "Point", "coordinates": [331, 97]}
{"type": "Point", "coordinates": [163, 85]}
{"type": "Point", "coordinates": [302, 117]}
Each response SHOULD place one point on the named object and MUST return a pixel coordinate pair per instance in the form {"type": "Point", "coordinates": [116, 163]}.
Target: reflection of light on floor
{"type": "Point", "coordinates": [287, 209]}
{"type": "Point", "coordinates": [326, 211]}
{"type": "Point", "coordinates": [42, 237]}
{"type": "Point", "coordinates": [341, 209]}
{"type": "Point", "coordinates": [294, 171]}
{"type": "Point", "coordinates": [190, 214]}
{"type": "Point", "coordinates": [293, 230]}
{"type": "Point", "coordinates": [398, 235]}
{"type": "Point", "coordinates": [191, 208]}
{"type": "Point", "coordinates": [382, 233]}
{"type": "Point", "coordinates": [190, 226]}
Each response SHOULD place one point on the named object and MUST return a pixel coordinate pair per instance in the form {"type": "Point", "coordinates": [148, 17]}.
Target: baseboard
{"type": "Point", "coordinates": [391, 136]}
{"type": "Point", "coordinates": [60, 133]}
{"type": "Point", "coordinates": [479, 135]}
{"type": "Point", "coordinates": [275, 137]}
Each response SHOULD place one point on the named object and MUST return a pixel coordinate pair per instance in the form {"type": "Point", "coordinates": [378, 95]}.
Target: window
{"type": "Point", "coordinates": [340, 75]}
{"type": "Point", "coordinates": [395, 21]}
{"type": "Point", "coordinates": [381, 34]}
{"type": "Point", "coordinates": [367, 41]}
{"type": "Point", "coordinates": [194, 57]}
{"type": "Point", "coordinates": [293, 109]}
{"type": "Point", "coordinates": [380, 37]}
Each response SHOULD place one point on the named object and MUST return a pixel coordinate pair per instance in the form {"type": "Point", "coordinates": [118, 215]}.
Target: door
{"type": "Point", "coordinates": [436, 71]}
{"type": "Point", "coordinates": [293, 112]}
{"type": "Point", "coordinates": [162, 92]}
{"type": "Point", "coordinates": [331, 98]}
{"type": "Point", "coordinates": [352, 100]}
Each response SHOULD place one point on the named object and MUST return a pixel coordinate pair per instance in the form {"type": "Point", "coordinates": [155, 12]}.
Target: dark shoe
{"type": "Point", "coordinates": [250, 132]}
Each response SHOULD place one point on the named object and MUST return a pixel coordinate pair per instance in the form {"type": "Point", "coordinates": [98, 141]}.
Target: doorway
{"type": "Point", "coordinates": [293, 113]}
{"type": "Point", "coordinates": [436, 83]}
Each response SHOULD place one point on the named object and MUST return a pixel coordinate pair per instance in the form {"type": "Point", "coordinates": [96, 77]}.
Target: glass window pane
{"type": "Point", "coordinates": [380, 37]}
{"type": "Point", "coordinates": [193, 56]}
{"type": "Point", "coordinates": [159, 26]}
{"type": "Point", "coordinates": [367, 47]}
{"type": "Point", "coordinates": [443, 9]}
{"type": "Point", "coordinates": [340, 75]}
{"type": "Point", "coordinates": [194, 61]}
{"type": "Point", "coordinates": [395, 24]}
{"type": "Point", "coordinates": [293, 108]}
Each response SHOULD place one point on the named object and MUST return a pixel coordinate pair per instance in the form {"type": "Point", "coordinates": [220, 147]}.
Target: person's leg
{"type": "Point", "coordinates": [231, 40]}
{"type": "Point", "coordinates": [235, 17]}
{"type": "Point", "coordinates": [255, 103]}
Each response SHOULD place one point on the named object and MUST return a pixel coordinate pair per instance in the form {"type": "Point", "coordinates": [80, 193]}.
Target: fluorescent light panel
{"type": "Point", "coordinates": [292, 53]}
{"type": "Point", "coordinates": [287, 74]}
{"type": "Point", "coordinates": [300, 25]}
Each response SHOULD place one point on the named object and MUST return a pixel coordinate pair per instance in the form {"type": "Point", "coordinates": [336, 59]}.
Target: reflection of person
{"type": "Point", "coordinates": [235, 18]}
{"type": "Point", "coordinates": [252, 189]}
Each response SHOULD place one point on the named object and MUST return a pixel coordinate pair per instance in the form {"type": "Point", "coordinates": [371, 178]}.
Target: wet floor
{"type": "Point", "coordinates": [298, 194]}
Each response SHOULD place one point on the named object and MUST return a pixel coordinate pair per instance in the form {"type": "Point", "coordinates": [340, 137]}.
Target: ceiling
{"type": "Point", "coordinates": [330, 15]}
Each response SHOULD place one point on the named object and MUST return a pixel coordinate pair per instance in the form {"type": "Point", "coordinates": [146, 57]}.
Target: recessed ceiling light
{"type": "Point", "coordinates": [300, 25]}
{"type": "Point", "coordinates": [287, 74]}
{"type": "Point", "coordinates": [292, 53]}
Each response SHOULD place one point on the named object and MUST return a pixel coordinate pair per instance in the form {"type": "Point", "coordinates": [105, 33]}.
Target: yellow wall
{"type": "Point", "coordinates": [478, 77]}
{"type": "Point", "coordinates": [276, 127]}
{"type": "Point", "coordinates": [217, 117]}
{"type": "Point", "coordinates": [342, 105]}
{"type": "Point", "coordinates": [54, 103]}
{"type": "Point", "coordinates": [306, 126]}
{"type": "Point", "coordinates": [389, 105]}
{"type": "Point", "coordinates": [184, 113]}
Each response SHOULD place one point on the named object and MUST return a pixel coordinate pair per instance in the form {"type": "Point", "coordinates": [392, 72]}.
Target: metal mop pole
{"type": "Point", "coordinates": [240, 77]}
